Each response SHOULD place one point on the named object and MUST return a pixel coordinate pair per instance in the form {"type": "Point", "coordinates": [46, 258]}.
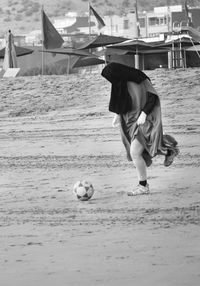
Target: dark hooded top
{"type": "Point", "coordinates": [131, 93]}
{"type": "Point", "coordinates": [118, 75]}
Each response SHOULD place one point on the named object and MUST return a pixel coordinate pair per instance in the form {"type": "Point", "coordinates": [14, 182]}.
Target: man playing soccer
{"type": "Point", "coordinates": [138, 112]}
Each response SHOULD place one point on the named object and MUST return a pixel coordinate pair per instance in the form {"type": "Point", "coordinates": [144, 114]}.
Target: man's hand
{"type": "Point", "coordinates": [142, 118]}
{"type": "Point", "coordinates": [115, 122]}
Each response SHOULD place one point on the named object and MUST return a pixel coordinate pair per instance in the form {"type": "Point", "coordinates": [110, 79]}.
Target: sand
{"type": "Point", "coordinates": [56, 130]}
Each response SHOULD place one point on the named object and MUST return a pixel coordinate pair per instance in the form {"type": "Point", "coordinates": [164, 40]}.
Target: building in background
{"type": "Point", "coordinates": [162, 20]}
{"type": "Point", "coordinates": [166, 19]}
{"type": "Point", "coordinates": [154, 26]}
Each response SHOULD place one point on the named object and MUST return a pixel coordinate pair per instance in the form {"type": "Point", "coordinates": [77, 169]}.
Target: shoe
{"type": "Point", "coordinates": [169, 158]}
{"type": "Point", "coordinates": [140, 190]}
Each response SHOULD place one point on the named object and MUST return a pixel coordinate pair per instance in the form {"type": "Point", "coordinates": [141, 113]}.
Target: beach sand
{"type": "Point", "coordinates": [56, 130]}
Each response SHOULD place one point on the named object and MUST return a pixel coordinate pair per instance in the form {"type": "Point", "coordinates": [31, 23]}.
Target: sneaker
{"type": "Point", "coordinates": [169, 158]}
{"type": "Point", "coordinates": [140, 190]}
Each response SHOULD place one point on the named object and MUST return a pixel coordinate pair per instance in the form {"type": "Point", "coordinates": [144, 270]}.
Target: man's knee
{"type": "Point", "coordinates": [136, 150]}
{"type": "Point", "coordinates": [135, 154]}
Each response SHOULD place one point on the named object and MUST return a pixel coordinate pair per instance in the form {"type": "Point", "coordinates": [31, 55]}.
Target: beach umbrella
{"type": "Point", "coordinates": [68, 51]}
{"type": "Point", "coordinates": [87, 61]}
{"type": "Point", "coordinates": [20, 51]}
{"type": "Point", "coordinates": [101, 41]}
{"type": "Point", "coordinates": [134, 46]}
{"type": "Point", "coordinates": [111, 51]}
{"type": "Point", "coordinates": [10, 58]}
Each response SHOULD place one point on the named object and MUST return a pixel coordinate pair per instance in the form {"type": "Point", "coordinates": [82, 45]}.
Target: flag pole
{"type": "Point", "coordinates": [137, 35]}
{"type": "Point", "coordinates": [68, 64]}
{"type": "Point", "coordinates": [137, 20]}
{"type": "Point", "coordinates": [89, 19]}
{"type": "Point", "coordinates": [42, 39]}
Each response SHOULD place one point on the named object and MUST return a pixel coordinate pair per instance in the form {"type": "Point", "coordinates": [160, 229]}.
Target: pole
{"type": "Point", "coordinates": [42, 29]}
{"type": "Point", "coordinates": [104, 56]}
{"type": "Point", "coordinates": [137, 62]}
{"type": "Point", "coordinates": [195, 47]}
{"type": "Point", "coordinates": [68, 64]}
{"type": "Point", "coordinates": [185, 60]}
{"type": "Point", "coordinates": [137, 20]}
{"type": "Point", "coordinates": [180, 55]}
{"type": "Point", "coordinates": [42, 57]}
{"type": "Point", "coordinates": [89, 19]}
{"type": "Point", "coordinates": [89, 28]}
{"type": "Point", "coordinates": [173, 55]}
{"type": "Point", "coordinates": [111, 25]}
{"type": "Point", "coordinates": [170, 59]}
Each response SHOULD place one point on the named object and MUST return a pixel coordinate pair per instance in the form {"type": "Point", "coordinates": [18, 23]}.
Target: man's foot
{"type": "Point", "coordinates": [169, 158]}
{"type": "Point", "coordinates": [140, 190]}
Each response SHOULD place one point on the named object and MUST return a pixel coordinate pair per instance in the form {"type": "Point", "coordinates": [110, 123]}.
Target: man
{"type": "Point", "coordinates": [137, 107]}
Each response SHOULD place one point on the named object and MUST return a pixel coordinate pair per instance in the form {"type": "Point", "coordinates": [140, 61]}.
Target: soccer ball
{"type": "Point", "coordinates": [83, 190]}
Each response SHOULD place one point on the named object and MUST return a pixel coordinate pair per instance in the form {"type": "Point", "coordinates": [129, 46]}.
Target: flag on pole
{"type": "Point", "coordinates": [99, 19]}
{"type": "Point", "coordinates": [188, 15]}
{"type": "Point", "coordinates": [50, 36]}
{"type": "Point", "coordinates": [137, 20]}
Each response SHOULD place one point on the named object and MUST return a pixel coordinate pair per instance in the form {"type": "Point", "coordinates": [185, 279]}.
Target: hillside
{"type": "Point", "coordinates": [24, 15]}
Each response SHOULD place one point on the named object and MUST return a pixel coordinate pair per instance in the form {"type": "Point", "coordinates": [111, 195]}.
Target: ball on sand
{"type": "Point", "coordinates": [83, 190]}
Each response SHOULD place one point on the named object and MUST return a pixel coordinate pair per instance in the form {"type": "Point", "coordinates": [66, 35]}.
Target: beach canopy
{"type": "Point", "coordinates": [133, 46]}
{"type": "Point", "coordinates": [87, 61]}
{"type": "Point", "coordinates": [20, 51]}
{"type": "Point", "coordinates": [68, 51]}
{"type": "Point", "coordinates": [101, 41]}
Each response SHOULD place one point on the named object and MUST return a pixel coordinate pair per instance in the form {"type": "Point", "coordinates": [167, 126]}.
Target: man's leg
{"type": "Point", "coordinates": [136, 151]}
